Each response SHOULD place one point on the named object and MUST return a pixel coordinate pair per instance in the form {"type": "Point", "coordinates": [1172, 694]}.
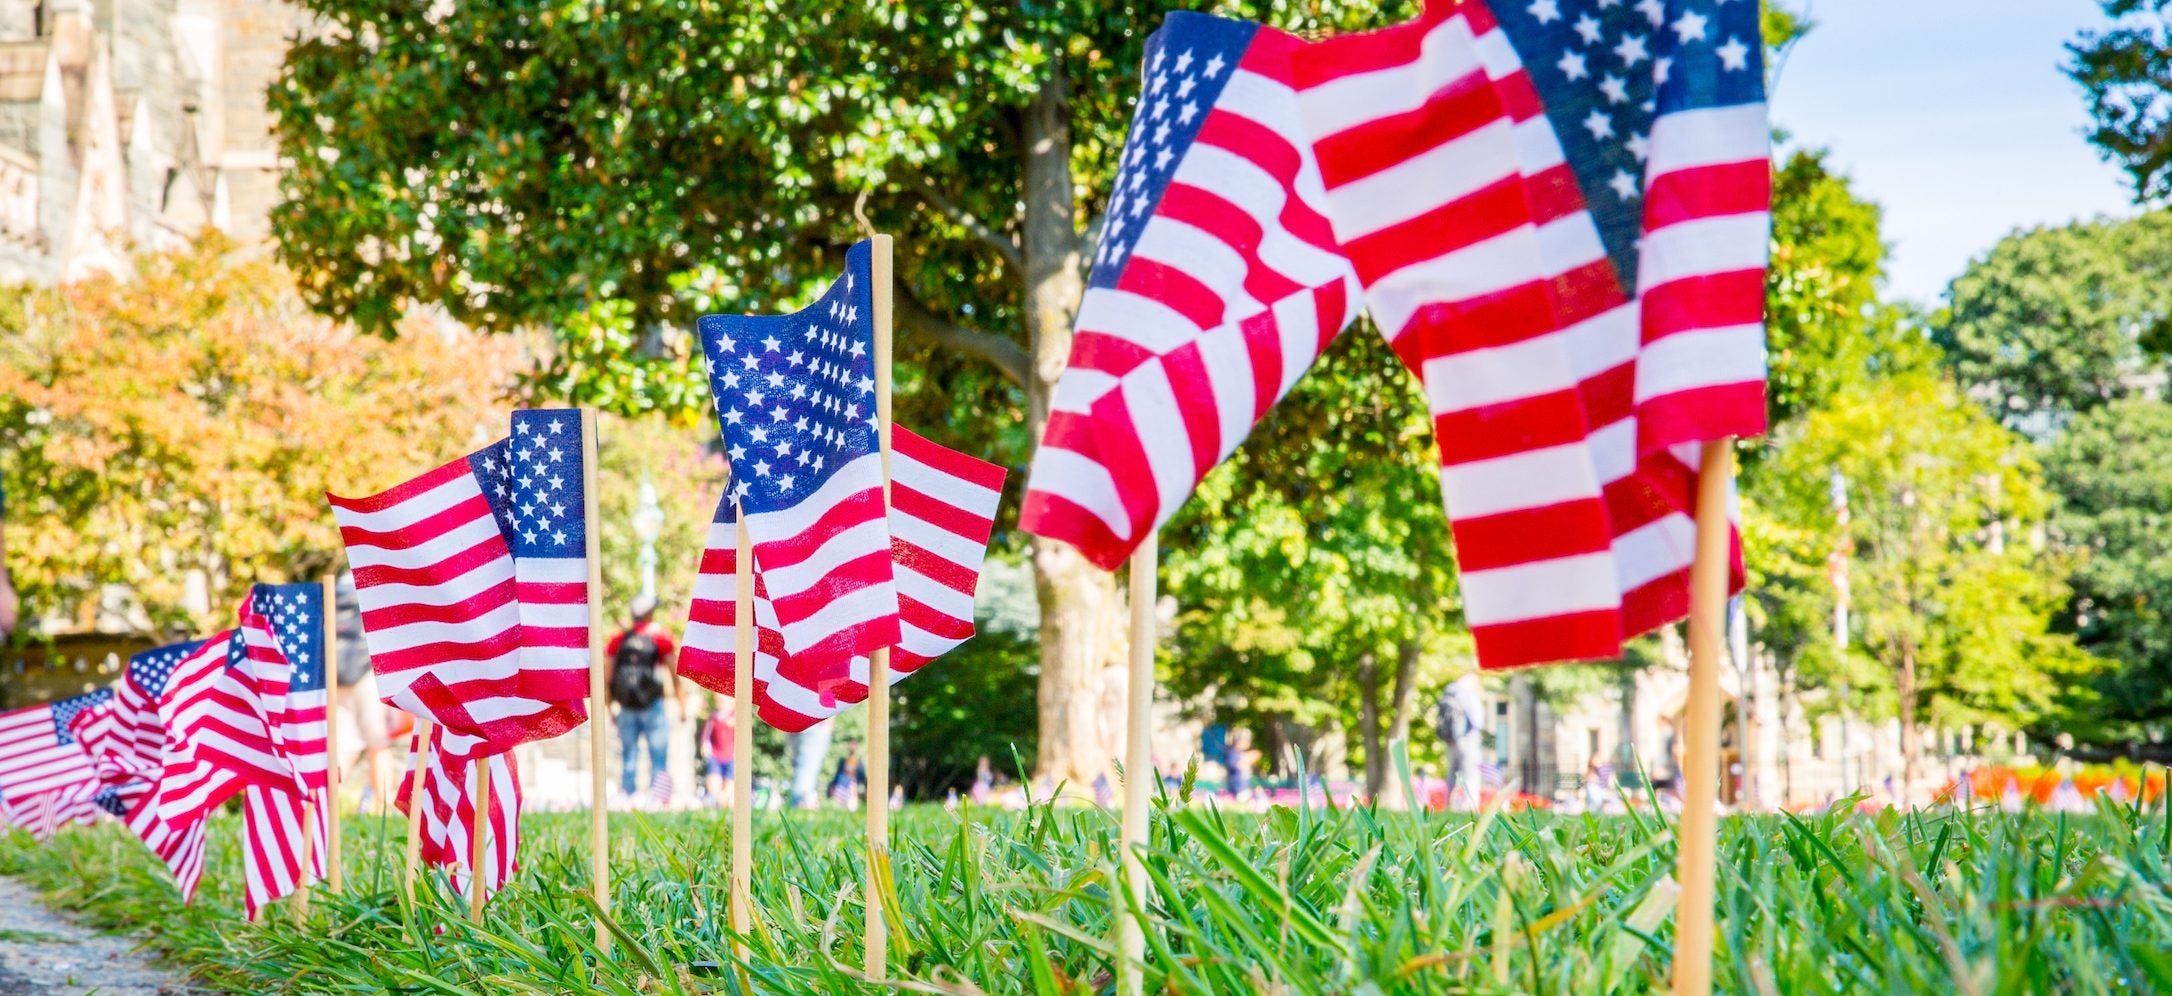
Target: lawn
{"type": "Point", "coordinates": [1354, 901]}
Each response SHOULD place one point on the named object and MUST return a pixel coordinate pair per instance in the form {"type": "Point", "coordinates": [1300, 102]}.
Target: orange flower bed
{"type": "Point", "coordinates": [2038, 784]}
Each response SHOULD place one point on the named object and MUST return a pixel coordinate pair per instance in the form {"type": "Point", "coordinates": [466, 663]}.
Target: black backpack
{"type": "Point", "coordinates": [634, 684]}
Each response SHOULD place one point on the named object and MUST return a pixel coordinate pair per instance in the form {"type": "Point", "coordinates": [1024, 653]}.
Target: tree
{"type": "Point", "coordinates": [1951, 601]}
{"type": "Point", "coordinates": [1826, 328]}
{"type": "Point", "coordinates": [185, 423]}
{"type": "Point", "coordinates": [634, 157]}
{"type": "Point", "coordinates": [2125, 72]}
{"type": "Point", "coordinates": [2114, 471]}
{"type": "Point", "coordinates": [2054, 322]}
{"type": "Point", "coordinates": [1314, 567]}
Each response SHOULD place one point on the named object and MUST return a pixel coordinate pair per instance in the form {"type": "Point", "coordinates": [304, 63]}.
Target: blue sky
{"type": "Point", "coordinates": [1954, 117]}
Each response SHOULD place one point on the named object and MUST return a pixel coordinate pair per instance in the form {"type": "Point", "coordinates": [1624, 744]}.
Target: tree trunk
{"type": "Point", "coordinates": [1080, 612]}
{"type": "Point", "coordinates": [1376, 768]}
{"type": "Point", "coordinates": [1390, 789]}
{"type": "Point", "coordinates": [1906, 687]}
{"type": "Point", "coordinates": [1406, 680]}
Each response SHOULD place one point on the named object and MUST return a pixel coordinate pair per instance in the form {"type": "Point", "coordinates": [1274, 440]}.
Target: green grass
{"type": "Point", "coordinates": [1353, 901]}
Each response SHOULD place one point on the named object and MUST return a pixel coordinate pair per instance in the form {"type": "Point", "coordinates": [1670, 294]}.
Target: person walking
{"type": "Point", "coordinates": [641, 683]}
{"type": "Point", "coordinates": [717, 746]}
{"type": "Point", "coordinates": [850, 775]}
{"type": "Point", "coordinates": [1457, 718]}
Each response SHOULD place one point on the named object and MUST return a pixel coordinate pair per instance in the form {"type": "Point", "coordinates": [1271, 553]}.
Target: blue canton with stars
{"type": "Point", "coordinates": [795, 393]}
{"type": "Point", "coordinates": [65, 710]}
{"type": "Point", "coordinates": [153, 668]}
{"type": "Point", "coordinates": [532, 479]}
{"type": "Point", "coordinates": [1188, 63]}
{"type": "Point", "coordinates": [295, 615]}
{"type": "Point", "coordinates": [1606, 69]}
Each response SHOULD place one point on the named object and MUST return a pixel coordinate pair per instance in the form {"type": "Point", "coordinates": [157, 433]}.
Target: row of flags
{"type": "Point", "coordinates": [188, 727]}
{"type": "Point", "coordinates": [1555, 211]}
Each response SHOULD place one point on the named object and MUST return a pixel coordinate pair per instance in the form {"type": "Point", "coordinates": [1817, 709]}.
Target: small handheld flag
{"type": "Point", "coordinates": [473, 580]}
{"type": "Point", "coordinates": [943, 506]}
{"type": "Point", "coordinates": [795, 397]}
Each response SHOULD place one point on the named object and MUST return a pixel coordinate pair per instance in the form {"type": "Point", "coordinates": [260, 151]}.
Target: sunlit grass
{"type": "Point", "coordinates": [1294, 901]}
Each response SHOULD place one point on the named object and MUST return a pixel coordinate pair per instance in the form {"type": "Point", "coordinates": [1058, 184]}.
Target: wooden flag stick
{"type": "Point", "coordinates": [331, 736]}
{"type": "Point", "coordinates": [1139, 774]}
{"type": "Point", "coordinates": [878, 663]}
{"type": "Point", "coordinates": [476, 894]}
{"type": "Point", "coordinates": [300, 906]}
{"type": "Point", "coordinates": [419, 760]}
{"type": "Point", "coordinates": [599, 706]}
{"type": "Point", "coordinates": [1699, 826]}
{"type": "Point", "coordinates": [743, 736]}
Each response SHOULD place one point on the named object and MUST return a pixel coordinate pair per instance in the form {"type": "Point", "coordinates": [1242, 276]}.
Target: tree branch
{"type": "Point", "coordinates": [1004, 245]}
{"type": "Point", "coordinates": [1006, 356]}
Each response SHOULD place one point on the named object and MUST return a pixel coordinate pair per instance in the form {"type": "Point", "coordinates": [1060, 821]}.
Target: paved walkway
{"type": "Point", "coordinates": [44, 952]}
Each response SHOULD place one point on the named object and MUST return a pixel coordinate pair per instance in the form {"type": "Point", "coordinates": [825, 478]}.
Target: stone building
{"type": "Point", "coordinates": [128, 124]}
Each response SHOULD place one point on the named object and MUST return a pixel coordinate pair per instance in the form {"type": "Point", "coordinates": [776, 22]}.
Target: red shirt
{"type": "Point", "coordinates": [721, 743]}
{"type": "Point", "coordinates": [665, 645]}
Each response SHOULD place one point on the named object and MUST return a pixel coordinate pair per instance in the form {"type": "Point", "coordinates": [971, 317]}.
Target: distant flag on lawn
{"type": "Point", "coordinates": [98, 731]}
{"type": "Point", "coordinates": [1215, 284]}
{"type": "Point", "coordinates": [47, 778]}
{"type": "Point", "coordinates": [448, 816]}
{"type": "Point", "coordinates": [942, 511]}
{"type": "Point", "coordinates": [473, 580]}
{"type": "Point", "coordinates": [795, 396]}
{"type": "Point", "coordinates": [1570, 509]}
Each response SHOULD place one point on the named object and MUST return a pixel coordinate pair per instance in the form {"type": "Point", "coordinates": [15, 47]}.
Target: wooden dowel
{"type": "Point", "coordinates": [419, 760]}
{"type": "Point", "coordinates": [743, 736]}
{"type": "Point", "coordinates": [1139, 774]}
{"type": "Point", "coordinates": [332, 870]}
{"type": "Point", "coordinates": [477, 895]}
{"type": "Point", "coordinates": [877, 934]}
{"type": "Point", "coordinates": [299, 907]}
{"type": "Point", "coordinates": [599, 706]}
{"type": "Point", "coordinates": [1699, 825]}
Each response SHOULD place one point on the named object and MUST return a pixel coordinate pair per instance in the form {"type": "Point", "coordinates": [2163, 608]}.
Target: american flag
{"type": "Point", "coordinates": [121, 782]}
{"type": "Point", "coordinates": [47, 778]}
{"type": "Point", "coordinates": [1672, 345]}
{"type": "Point", "coordinates": [282, 631]}
{"type": "Point", "coordinates": [1495, 288]}
{"type": "Point", "coordinates": [473, 580]}
{"type": "Point", "coordinates": [272, 844]}
{"type": "Point", "coordinates": [218, 737]}
{"type": "Point", "coordinates": [1660, 106]}
{"type": "Point", "coordinates": [141, 746]}
{"type": "Point", "coordinates": [942, 510]}
{"type": "Point", "coordinates": [1216, 282]}
{"type": "Point", "coordinates": [137, 694]}
{"type": "Point", "coordinates": [448, 816]}
{"type": "Point", "coordinates": [795, 395]}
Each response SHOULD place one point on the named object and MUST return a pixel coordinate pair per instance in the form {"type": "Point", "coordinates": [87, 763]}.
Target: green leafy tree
{"type": "Point", "coordinates": [1826, 328]}
{"type": "Point", "coordinates": [1314, 568]}
{"type": "Point", "coordinates": [2125, 72]}
{"type": "Point", "coordinates": [607, 169]}
{"type": "Point", "coordinates": [2113, 468]}
{"type": "Point", "coordinates": [1951, 600]}
{"type": "Point", "coordinates": [2054, 322]}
